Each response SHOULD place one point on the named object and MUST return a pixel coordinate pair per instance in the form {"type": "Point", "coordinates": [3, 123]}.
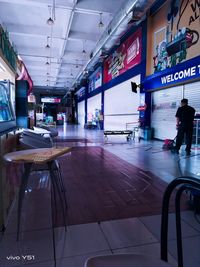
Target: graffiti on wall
{"type": "Point", "coordinates": [180, 34]}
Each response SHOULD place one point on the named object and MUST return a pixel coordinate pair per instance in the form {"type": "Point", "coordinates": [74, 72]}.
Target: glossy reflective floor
{"type": "Point", "coordinates": [38, 246]}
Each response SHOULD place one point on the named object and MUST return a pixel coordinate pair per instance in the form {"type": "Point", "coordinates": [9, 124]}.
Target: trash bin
{"type": "Point", "coordinates": [147, 133]}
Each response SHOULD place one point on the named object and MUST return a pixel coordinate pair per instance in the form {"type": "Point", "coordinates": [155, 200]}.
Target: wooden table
{"type": "Point", "coordinates": [38, 156]}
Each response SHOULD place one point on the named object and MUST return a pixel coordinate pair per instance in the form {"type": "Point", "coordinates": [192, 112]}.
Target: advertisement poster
{"type": "Point", "coordinates": [125, 57]}
{"type": "Point", "coordinates": [95, 80]}
{"type": "Point", "coordinates": [81, 92]}
{"type": "Point", "coordinates": [176, 34]}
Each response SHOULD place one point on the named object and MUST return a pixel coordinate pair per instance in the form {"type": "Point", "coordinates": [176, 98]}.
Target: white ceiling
{"type": "Point", "coordinates": [76, 28]}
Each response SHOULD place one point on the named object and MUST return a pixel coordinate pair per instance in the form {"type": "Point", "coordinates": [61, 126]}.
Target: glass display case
{"type": "Point", "coordinates": [7, 106]}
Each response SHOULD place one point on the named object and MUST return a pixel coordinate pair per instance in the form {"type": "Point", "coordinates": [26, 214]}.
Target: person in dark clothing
{"type": "Point", "coordinates": [185, 117]}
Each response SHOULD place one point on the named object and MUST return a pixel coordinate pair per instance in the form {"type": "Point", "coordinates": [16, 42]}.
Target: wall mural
{"type": "Point", "coordinates": [180, 34]}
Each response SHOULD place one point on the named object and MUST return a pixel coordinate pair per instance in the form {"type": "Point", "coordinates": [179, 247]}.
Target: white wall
{"type": "Point", "coordinates": [81, 112]}
{"type": "Point", "coordinates": [120, 105]}
{"type": "Point", "coordinates": [94, 103]}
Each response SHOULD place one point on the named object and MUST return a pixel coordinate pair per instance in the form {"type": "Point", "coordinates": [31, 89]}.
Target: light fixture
{"type": "Point", "coordinates": [85, 72]}
{"type": "Point", "coordinates": [50, 21]}
{"type": "Point", "coordinates": [83, 51]}
{"type": "Point", "coordinates": [52, 15]}
{"type": "Point", "coordinates": [47, 45]}
{"type": "Point", "coordinates": [100, 21]}
{"type": "Point", "coordinates": [133, 17]}
{"type": "Point", "coordinates": [47, 62]}
{"type": "Point", "coordinates": [76, 64]}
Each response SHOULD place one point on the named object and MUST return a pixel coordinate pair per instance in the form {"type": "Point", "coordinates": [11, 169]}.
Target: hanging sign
{"type": "Point", "coordinates": [125, 57]}
{"type": "Point", "coordinates": [81, 92]}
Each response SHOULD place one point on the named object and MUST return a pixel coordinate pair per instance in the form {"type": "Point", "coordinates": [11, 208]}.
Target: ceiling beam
{"type": "Point", "coordinates": [31, 30]}
{"type": "Point", "coordinates": [36, 52]}
{"type": "Point", "coordinates": [75, 55]}
{"type": "Point", "coordinates": [90, 11]}
{"type": "Point", "coordinates": [66, 33]}
{"type": "Point", "coordinates": [42, 3]}
{"type": "Point", "coordinates": [53, 78]}
{"type": "Point", "coordinates": [75, 35]}
{"type": "Point", "coordinates": [25, 2]}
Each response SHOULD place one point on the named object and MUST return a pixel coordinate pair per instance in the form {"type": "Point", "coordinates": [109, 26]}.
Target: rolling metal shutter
{"type": "Point", "coordinates": [81, 113]}
{"type": "Point", "coordinates": [164, 105]}
{"type": "Point", "coordinates": [192, 93]}
{"type": "Point", "coordinates": [121, 104]}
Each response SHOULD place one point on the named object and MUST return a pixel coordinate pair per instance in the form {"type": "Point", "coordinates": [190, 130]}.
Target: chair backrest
{"type": "Point", "coordinates": [53, 130]}
{"type": "Point", "coordinates": [177, 186]}
{"type": "Point", "coordinates": [34, 140]}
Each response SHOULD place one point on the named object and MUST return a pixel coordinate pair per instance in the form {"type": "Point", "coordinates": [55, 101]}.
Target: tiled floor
{"type": "Point", "coordinates": [133, 235]}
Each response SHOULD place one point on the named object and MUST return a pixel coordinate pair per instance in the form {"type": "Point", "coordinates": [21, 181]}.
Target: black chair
{"type": "Point", "coordinates": [177, 186]}
{"type": "Point", "coordinates": [34, 140]}
{"type": "Point", "coordinates": [53, 131]}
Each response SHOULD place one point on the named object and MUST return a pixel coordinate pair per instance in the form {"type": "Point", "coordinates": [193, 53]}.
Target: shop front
{"type": "Point", "coordinates": [81, 113]}
{"type": "Point", "coordinates": [94, 111]}
{"type": "Point", "coordinates": [121, 106]}
{"type": "Point", "coordinates": [166, 99]}
{"type": "Point", "coordinates": [80, 94]}
{"type": "Point", "coordinates": [8, 138]}
{"type": "Point", "coordinates": [173, 63]}
{"type": "Point", "coordinates": [120, 102]}
{"type": "Point", "coordinates": [7, 98]}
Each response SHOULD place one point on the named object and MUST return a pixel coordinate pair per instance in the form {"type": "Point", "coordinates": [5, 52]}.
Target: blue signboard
{"type": "Point", "coordinates": [183, 72]}
{"type": "Point", "coordinates": [95, 80]}
{"type": "Point", "coordinates": [81, 92]}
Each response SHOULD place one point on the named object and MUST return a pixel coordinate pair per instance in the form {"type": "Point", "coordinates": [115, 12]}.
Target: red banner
{"type": "Point", "coordinates": [24, 75]}
{"type": "Point", "coordinates": [125, 57]}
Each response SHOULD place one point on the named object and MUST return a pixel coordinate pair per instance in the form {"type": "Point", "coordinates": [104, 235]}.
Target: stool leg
{"type": "Point", "coordinates": [62, 184]}
{"type": "Point", "coordinates": [57, 168]}
{"type": "Point", "coordinates": [24, 182]}
{"type": "Point", "coordinates": [60, 180]}
{"type": "Point", "coordinates": [53, 191]}
{"type": "Point", "coordinates": [56, 185]}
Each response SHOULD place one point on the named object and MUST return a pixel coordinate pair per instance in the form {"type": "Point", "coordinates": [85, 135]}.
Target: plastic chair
{"type": "Point", "coordinates": [178, 186]}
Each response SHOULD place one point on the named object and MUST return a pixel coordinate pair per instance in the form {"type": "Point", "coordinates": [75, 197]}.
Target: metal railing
{"type": "Point", "coordinates": [132, 125]}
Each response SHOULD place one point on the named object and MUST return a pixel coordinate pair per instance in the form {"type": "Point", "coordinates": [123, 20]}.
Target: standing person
{"type": "Point", "coordinates": [184, 123]}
